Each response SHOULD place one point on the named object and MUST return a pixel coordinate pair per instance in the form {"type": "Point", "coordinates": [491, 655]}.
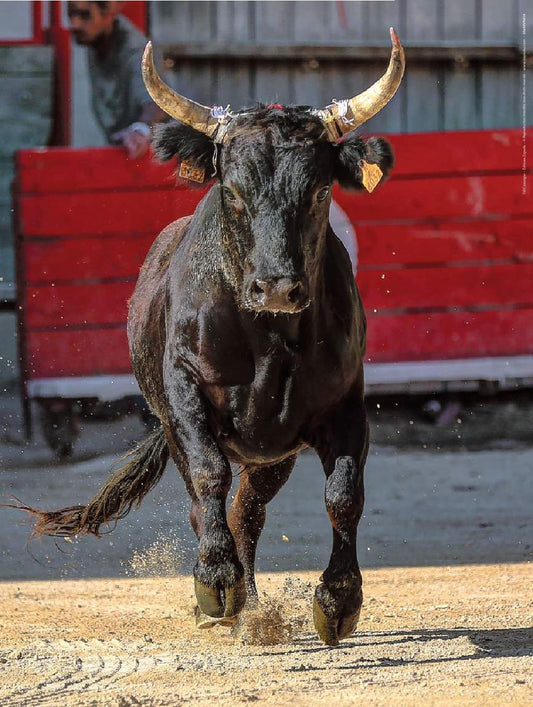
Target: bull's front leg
{"type": "Point", "coordinates": [342, 444]}
{"type": "Point", "coordinates": [218, 573]}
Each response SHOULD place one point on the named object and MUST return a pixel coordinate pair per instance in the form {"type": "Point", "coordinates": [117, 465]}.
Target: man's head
{"type": "Point", "coordinates": [90, 22]}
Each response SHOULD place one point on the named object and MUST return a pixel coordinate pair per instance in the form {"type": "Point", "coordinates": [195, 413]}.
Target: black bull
{"type": "Point", "coordinates": [247, 337]}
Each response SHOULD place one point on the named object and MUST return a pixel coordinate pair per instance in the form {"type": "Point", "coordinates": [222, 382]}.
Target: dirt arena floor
{"type": "Point", "coordinates": [447, 557]}
{"type": "Point", "coordinates": [431, 636]}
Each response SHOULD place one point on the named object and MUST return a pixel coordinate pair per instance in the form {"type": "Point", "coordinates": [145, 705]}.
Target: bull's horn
{"type": "Point", "coordinates": [343, 116]}
{"type": "Point", "coordinates": [179, 107]}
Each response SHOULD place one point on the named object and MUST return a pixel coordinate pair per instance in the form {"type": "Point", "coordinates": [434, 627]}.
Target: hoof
{"type": "Point", "coordinates": [218, 607]}
{"type": "Point", "coordinates": [330, 628]}
{"type": "Point", "coordinates": [205, 621]}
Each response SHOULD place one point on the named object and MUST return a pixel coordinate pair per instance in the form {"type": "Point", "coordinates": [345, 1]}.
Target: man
{"type": "Point", "coordinates": [120, 102]}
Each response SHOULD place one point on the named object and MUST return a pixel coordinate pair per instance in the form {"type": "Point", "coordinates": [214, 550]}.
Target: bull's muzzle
{"type": "Point", "coordinates": [276, 295]}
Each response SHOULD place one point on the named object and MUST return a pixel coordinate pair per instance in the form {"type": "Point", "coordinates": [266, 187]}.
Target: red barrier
{"type": "Point", "coordinates": [445, 250]}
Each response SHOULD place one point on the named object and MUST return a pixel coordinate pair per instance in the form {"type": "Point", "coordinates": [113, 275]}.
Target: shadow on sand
{"type": "Point", "coordinates": [485, 643]}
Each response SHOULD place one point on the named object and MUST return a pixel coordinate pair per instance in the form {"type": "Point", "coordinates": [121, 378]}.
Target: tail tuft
{"type": "Point", "coordinates": [125, 488]}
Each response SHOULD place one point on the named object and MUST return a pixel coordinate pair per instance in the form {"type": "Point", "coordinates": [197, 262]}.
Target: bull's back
{"type": "Point", "coordinates": [146, 316]}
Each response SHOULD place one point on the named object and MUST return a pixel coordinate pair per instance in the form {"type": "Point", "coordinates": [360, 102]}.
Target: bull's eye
{"type": "Point", "coordinates": [229, 195]}
{"type": "Point", "coordinates": [322, 194]}
{"type": "Point", "coordinates": [233, 201]}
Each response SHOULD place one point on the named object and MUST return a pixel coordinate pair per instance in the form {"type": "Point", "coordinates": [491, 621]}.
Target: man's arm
{"type": "Point", "coordinates": [136, 137]}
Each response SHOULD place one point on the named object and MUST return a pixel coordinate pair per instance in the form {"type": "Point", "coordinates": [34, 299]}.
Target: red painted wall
{"type": "Point", "coordinates": [445, 250]}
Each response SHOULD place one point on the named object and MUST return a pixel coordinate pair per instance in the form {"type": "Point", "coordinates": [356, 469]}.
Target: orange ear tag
{"type": "Point", "coordinates": [371, 175]}
{"type": "Point", "coordinates": [192, 173]}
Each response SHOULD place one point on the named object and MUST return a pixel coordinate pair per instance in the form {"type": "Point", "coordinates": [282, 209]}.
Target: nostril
{"type": "Point", "coordinates": [295, 293]}
{"type": "Point", "coordinates": [280, 294]}
{"type": "Point", "coordinates": [258, 288]}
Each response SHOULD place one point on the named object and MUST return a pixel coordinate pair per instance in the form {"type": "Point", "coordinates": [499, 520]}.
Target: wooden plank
{"type": "Point", "coordinates": [273, 85]}
{"type": "Point", "coordinates": [310, 18]}
{"type": "Point", "coordinates": [501, 88]}
{"type": "Point", "coordinates": [379, 16]}
{"type": "Point", "coordinates": [308, 85]}
{"type": "Point", "coordinates": [182, 21]}
{"type": "Point", "coordinates": [81, 352]}
{"type": "Point", "coordinates": [26, 61]}
{"type": "Point", "coordinates": [169, 22]}
{"type": "Point", "coordinates": [459, 34]}
{"type": "Point", "coordinates": [25, 111]}
{"type": "Point", "coordinates": [101, 387]}
{"type": "Point", "coordinates": [274, 22]}
{"type": "Point", "coordinates": [504, 370]}
{"type": "Point", "coordinates": [104, 214]}
{"type": "Point", "coordinates": [64, 169]}
{"type": "Point", "coordinates": [67, 169]}
{"type": "Point", "coordinates": [461, 152]}
{"type": "Point", "coordinates": [499, 21]}
{"type": "Point", "coordinates": [439, 198]}
{"type": "Point", "coordinates": [525, 20]}
{"type": "Point", "coordinates": [418, 337]}
{"type": "Point", "coordinates": [460, 21]}
{"type": "Point", "coordinates": [80, 259]}
{"type": "Point", "coordinates": [441, 210]}
{"type": "Point", "coordinates": [234, 21]}
{"type": "Point", "coordinates": [77, 305]}
{"type": "Point", "coordinates": [233, 85]}
{"type": "Point", "coordinates": [201, 21]}
{"type": "Point", "coordinates": [399, 245]}
{"type": "Point", "coordinates": [445, 53]}
{"type": "Point", "coordinates": [392, 119]}
{"type": "Point", "coordinates": [353, 79]}
{"type": "Point", "coordinates": [424, 99]}
{"type": "Point", "coordinates": [6, 232]}
{"type": "Point", "coordinates": [421, 21]}
{"type": "Point", "coordinates": [105, 303]}
{"type": "Point", "coordinates": [196, 80]}
{"type": "Point", "coordinates": [7, 174]}
{"type": "Point", "coordinates": [344, 21]}
{"type": "Point", "coordinates": [495, 286]}
{"type": "Point", "coordinates": [461, 105]}
{"type": "Point", "coordinates": [330, 22]}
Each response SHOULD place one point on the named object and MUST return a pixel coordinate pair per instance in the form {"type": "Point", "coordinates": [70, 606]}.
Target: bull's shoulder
{"type": "Point", "coordinates": [146, 306]}
{"type": "Point", "coordinates": [342, 296]}
{"type": "Point", "coordinates": [338, 278]}
{"type": "Point", "coordinates": [162, 249]}
{"type": "Point", "coordinates": [337, 263]}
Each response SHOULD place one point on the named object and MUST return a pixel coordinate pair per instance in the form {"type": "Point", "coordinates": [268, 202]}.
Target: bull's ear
{"type": "Point", "coordinates": [353, 151]}
{"type": "Point", "coordinates": [193, 149]}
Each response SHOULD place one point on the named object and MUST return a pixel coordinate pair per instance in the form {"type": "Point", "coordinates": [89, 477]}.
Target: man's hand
{"type": "Point", "coordinates": [135, 140]}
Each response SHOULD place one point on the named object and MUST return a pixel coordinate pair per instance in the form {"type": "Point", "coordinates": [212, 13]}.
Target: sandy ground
{"type": "Point", "coordinates": [445, 543]}
{"type": "Point", "coordinates": [432, 636]}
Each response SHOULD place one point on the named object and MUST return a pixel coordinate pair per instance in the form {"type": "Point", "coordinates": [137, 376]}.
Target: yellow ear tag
{"type": "Point", "coordinates": [192, 173]}
{"type": "Point", "coordinates": [371, 175]}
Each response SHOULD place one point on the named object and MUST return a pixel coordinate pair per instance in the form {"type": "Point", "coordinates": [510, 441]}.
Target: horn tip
{"type": "Point", "coordinates": [147, 50]}
{"type": "Point", "coordinates": [147, 61]}
{"type": "Point", "coordinates": [398, 53]}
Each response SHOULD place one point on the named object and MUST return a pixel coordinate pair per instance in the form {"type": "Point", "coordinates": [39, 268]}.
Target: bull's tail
{"type": "Point", "coordinates": [142, 469]}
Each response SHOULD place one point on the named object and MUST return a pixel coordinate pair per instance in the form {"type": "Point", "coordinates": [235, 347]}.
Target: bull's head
{"type": "Point", "coordinates": [275, 168]}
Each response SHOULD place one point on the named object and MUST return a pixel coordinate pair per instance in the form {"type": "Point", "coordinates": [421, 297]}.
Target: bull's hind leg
{"type": "Point", "coordinates": [247, 514]}
{"type": "Point", "coordinates": [218, 573]}
{"type": "Point", "coordinates": [342, 444]}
